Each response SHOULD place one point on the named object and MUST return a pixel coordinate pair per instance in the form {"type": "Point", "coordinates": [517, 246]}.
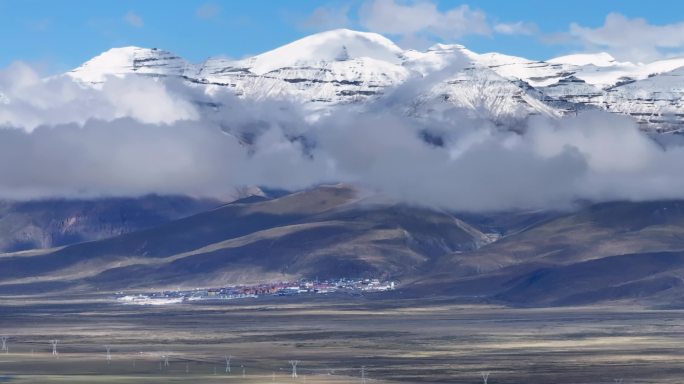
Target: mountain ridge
{"type": "Point", "coordinates": [342, 67]}
{"type": "Point", "coordinates": [327, 231]}
{"type": "Point", "coordinates": [628, 252]}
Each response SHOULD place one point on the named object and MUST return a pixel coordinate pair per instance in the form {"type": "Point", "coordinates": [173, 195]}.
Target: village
{"type": "Point", "coordinates": [232, 292]}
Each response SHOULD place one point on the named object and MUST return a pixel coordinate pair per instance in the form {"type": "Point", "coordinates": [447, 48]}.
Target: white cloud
{"type": "Point", "coordinates": [208, 11]}
{"type": "Point", "coordinates": [327, 17]}
{"type": "Point", "coordinates": [517, 28]}
{"type": "Point", "coordinates": [121, 157]}
{"type": "Point", "coordinates": [133, 19]}
{"type": "Point", "coordinates": [596, 156]}
{"type": "Point", "coordinates": [631, 39]}
{"type": "Point", "coordinates": [147, 101]}
{"type": "Point", "coordinates": [420, 23]}
{"type": "Point", "coordinates": [422, 17]}
{"type": "Point", "coordinates": [138, 136]}
{"type": "Point", "coordinates": [33, 102]}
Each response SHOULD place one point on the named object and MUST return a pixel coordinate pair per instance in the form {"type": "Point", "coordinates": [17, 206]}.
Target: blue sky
{"type": "Point", "coordinates": [55, 35]}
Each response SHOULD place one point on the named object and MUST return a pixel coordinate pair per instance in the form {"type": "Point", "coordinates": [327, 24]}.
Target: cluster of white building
{"type": "Point", "coordinates": [343, 285]}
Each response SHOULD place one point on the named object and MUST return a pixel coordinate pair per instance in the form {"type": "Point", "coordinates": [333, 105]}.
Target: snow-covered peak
{"type": "Point", "coordinates": [487, 59]}
{"type": "Point", "coordinates": [343, 67]}
{"type": "Point", "coordinates": [437, 58]}
{"type": "Point", "coordinates": [335, 45]}
{"type": "Point", "coordinates": [601, 59]}
{"type": "Point", "coordinates": [126, 60]}
{"type": "Point", "coordinates": [459, 49]}
{"type": "Point", "coordinates": [446, 47]}
{"type": "Point", "coordinates": [661, 66]}
{"type": "Point", "coordinates": [496, 59]}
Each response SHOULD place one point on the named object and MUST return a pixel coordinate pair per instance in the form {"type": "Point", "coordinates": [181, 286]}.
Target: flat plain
{"type": "Point", "coordinates": [333, 337]}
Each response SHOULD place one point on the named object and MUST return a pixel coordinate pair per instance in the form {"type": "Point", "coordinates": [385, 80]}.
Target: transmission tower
{"type": "Point", "coordinates": [485, 377]}
{"type": "Point", "coordinates": [54, 347]}
{"type": "Point", "coordinates": [294, 363]}
{"type": "Point", "coordinates": [228, 357]}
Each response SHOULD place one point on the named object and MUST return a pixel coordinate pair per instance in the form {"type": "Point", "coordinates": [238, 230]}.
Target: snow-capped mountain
{"type": "Point", "coordinates": [128, 60]}
{"type": "Point", "coordinates": [348, 67]}
{"type": "Point", "coordinates": [327, 68]}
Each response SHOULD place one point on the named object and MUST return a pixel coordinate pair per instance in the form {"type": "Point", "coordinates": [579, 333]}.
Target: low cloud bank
{"type": "Point", "coordinates": [137, 135]}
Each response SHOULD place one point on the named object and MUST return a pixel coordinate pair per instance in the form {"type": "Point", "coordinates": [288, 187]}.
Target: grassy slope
{"type": "Point", "coordinates": [327, 232]}
{"type": "Point", "coordinates": [605, 252]}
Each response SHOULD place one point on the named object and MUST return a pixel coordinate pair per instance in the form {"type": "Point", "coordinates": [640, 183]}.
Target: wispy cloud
{"type": "Point", "coordinates": [415, 24]}
{"type": "Point", "coordinates": [133, 19]}
{"type": "Point", "coordinates": [517, 28]}
{"type": "Point", "coordinates": [208, 11]}
{"type": "Point", "coordinates": [39, 25]}
{"type": "Point", "coordinates": [391, 17]}
{"type": "Point", "coordinates": [628, 38]}
{"type": "Point", "coordinates": [137, 135]}
{"type": "Point", "coordinates": [327, 17]}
